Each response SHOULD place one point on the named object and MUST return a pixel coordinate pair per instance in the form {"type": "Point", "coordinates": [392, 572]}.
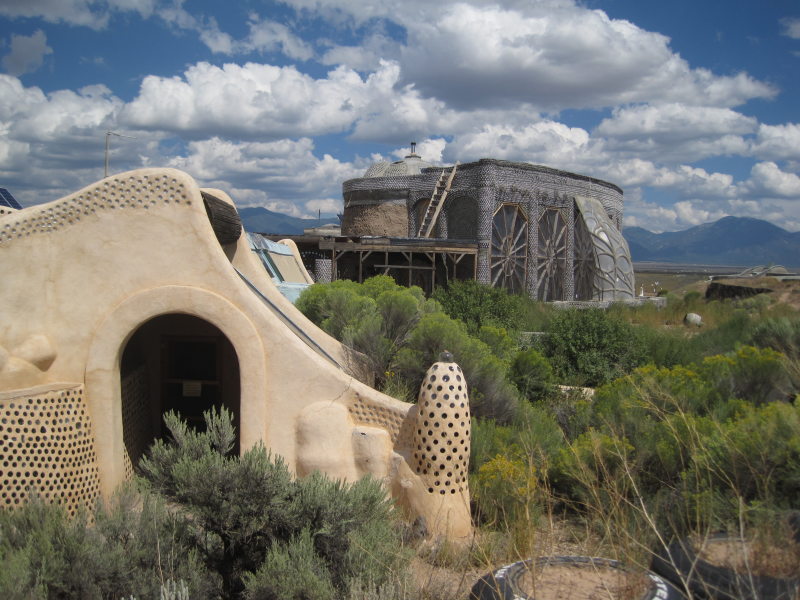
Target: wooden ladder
{"type": "Point", "coordinates": [436, 203]}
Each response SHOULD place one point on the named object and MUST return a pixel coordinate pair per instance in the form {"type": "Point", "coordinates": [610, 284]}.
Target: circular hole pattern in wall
{"type": "Point", "coordinates": [441, 437]}
{"type": "Point", "coordinates": [376, 415]}
{"type": "Point", "coordinates": [134, 191]}
{"type": "Point", "coordinates": [46, 445]}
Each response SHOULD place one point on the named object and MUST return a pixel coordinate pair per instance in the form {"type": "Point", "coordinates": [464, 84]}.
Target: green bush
{"type": "Point", "coordinates": [508, 467]}
{"type": "Point", "coordinates": [752, 374]}
{"type": "Point", "coordinates": [490, 392]}
{"type": "Point", "coordinates": [291, 572]}
{"type": "Point", "coordinates": [133, 548]}
{"type": "Point", "coordinates": [591, 471]}
{"type": "Point", "coordinates": [498, 341]}
{"type": "Point", "coordinates": [488, 439]}
{"type": "Point", "coordinates": [402, 334]}
{"type": "Point", "coordinates": [532, 374]}
{"type": "Point", "coordinates": [781, 334]}
{"type": "Point", "coordinates": [374, 318]}
{"type": "Point", "coordinates": [692, 446]}
{"type": "Point", "coordinates": [476, 305]}
{"type": "Point", "coordinates": [248, 508]}
{"type": "Point", "coordinates": [757, 455]}
{"type": "Point", "coordinates": [590, 347]}
{"type": "Point", "coordinates": [503, 489]}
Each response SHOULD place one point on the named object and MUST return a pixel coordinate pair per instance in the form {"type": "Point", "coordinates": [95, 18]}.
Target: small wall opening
{"type": "Point", "coordinates": [174, 362]}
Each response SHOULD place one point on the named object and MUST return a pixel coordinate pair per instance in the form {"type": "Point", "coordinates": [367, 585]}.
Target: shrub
{"type": "Point", "coordinates": [508, 467]}
{"type": "Point", "coordinates": [490, 393]}
{"type": "Point", "coordinates": [781, 334]}
{"type": "Point", "coordinates": [590, 347]}
{"type": "Point", "coordinates": [314, 300]}
{"type": "Point", "coordinates": [133, 548]}
{"type": "Point", "coordinates": [532, 374]}
{"type": "Point", "coordinates": [476, 305]}
{"type": "Point", "coordinates": [752, 374]}
{"type": "Point", "coordinates": [503, 488]}
{"type": "Point", "coordinates": [755, 457]}
{"type": "Point", "coordinates": [291, 572]}
{"type": "Point", "coordinates": [374, 318]}
{"type": "Point", "coordinates": [498, 341]}
{"type": "Point", "coordinates": [247, 509]}
{"type": "Point", "coordinates": [488, 439]}
{"type": "Point", "coordinates": [591, 470]}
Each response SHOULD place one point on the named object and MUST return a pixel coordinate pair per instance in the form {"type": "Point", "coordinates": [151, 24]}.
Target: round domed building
{"type": "Point", "coordinates": [527, 228]}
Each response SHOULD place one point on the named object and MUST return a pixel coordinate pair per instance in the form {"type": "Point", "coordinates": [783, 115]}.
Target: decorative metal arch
{"type": "Point", "coordinates": [585, 262]}
{"type": "Point", "coordinates": [552, 255]}
{"type": "Point", "coordinates": [603, 268]}
{"type": "Point", "coordinates": [509, 250]}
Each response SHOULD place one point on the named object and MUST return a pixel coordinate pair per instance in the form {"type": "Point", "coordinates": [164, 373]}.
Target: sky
{"type": "Point", "coordinates": [692, 107]}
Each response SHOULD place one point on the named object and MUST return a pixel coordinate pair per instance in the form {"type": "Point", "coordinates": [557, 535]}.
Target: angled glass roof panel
{"type": "Point", "coordinates": [6, 199]}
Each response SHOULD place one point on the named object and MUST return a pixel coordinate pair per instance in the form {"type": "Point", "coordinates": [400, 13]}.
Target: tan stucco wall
{"type": "Point", "coordinates": [82, 274]}
{"type": "Point", "coordinates": [389, 218]}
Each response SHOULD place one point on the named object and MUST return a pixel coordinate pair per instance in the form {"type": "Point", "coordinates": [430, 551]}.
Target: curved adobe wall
{"type": "Point", "coordinates": [103, 384]}
{"type": "Point", "coordinates": [82, 274]}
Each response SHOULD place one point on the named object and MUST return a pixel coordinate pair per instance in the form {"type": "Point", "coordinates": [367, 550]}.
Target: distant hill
{"type": "Point", "coordinates": [260, 220]}
{"type": "Point", "coordinates": [729, 241]}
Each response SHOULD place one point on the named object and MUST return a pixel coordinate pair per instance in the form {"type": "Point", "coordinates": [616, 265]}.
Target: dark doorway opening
{"type": "Point", "coordinates": [174, 362]}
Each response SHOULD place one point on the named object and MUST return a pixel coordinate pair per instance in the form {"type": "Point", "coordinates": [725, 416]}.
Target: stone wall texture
{"type": "Point", "coordinates": [518, 255]}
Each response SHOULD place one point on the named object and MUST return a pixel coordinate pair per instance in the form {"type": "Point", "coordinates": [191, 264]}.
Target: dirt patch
{"type": "Point", "coordinates": [745, 556]}
{"type": "Point", "coordinates": [443, 583]}
{"type": "Point", "coordinates": [581, 581]}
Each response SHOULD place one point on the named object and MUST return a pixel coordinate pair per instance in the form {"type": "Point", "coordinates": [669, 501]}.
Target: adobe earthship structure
{"type": "Point", "coordinates": [139, 294]}
{"type": "Point", "coordinates": [553, 235]}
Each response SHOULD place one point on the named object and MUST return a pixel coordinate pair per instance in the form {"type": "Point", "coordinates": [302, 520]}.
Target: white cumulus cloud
{"type": "Point", "coordinates": [299, 183]}
{"type": "Point", "coordinates": [252, 100]}
{"type": "Point", "coordinates": [777, 142]}
{"type": "Point", "coordinates": [768, 180]}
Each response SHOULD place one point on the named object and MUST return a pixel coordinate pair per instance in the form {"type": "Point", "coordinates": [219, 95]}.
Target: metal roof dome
{"type": "Point", "coordinates": [412, 164]}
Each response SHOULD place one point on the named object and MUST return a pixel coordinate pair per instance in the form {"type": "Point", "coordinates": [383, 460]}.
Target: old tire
{"type": "Point", "coordinates": [504, 583]}
{"type": "Point", "coordinates": [680, 565]}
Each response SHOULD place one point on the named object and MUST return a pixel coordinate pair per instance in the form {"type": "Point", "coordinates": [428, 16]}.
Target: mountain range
{"type": "Point", "coordinates": [260, 220]}
{"type": "Point", "coordinates": [742, 241]}
{"type": "Point", "coordinates": [736, 241]}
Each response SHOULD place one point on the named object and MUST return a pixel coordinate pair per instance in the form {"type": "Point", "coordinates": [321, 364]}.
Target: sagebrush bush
{"type": "Point", "coordinates": [248, 508]}
{"type": "Point", "coordinates": [781, 334]}
{"type": "Point", "coordinates": [491, 394]}
{"type": "Point", "coordinates": [135, 546]}
{"type": "Point", "coordinates": [374, 318]}
{"type": "Point", "coordinates": [291, 571]}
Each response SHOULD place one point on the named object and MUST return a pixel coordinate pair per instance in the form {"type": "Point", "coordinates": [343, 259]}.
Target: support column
{"type": "Point", "coordinates": [441, 225]}
{"type": "Point", "coordinates": [569, 272]}
{"type": "Point", "coordinates": [532, 275]}
{"type": "Point", "coordinates": [486, 206]}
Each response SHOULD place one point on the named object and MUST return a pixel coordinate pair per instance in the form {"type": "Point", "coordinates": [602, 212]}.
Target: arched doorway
{"type": "Point", "coordinates": [175, 362]}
